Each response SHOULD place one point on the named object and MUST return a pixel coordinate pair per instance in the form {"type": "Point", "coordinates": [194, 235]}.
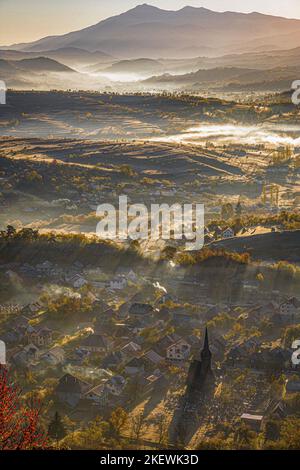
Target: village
{"type": "Point", "coordinates": [96, 340]}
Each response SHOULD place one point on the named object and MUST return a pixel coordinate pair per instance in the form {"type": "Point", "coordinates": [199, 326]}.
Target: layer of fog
{"type": "Point", "coordinates": [237, 134]}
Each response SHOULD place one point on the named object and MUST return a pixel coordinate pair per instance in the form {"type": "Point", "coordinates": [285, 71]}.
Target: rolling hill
{"type": "Point", "coordinates": [269, 246]}
{"type": "Point", "coordinates": [216, 74]}
{"type": "Point", "coordinates": [70, 56]}
{"type": "Point", "coordinates": [26, 73]}
{"type": "Point", "coordinates": [259, 59]}
{"type": "Point", "coordinates": [233, 78]}
{"type": "Point", "coordinates": [37, 65]}
{"type": "Point", "coordinates": [135, 66]}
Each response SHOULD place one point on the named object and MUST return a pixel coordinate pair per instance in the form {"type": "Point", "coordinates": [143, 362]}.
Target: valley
{"type": "Point", "coordinates": [117, 330]}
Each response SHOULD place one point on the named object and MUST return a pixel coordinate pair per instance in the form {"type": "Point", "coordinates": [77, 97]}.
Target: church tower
{"type": "Point", "coordinates": [206, 354]}
{"type": "Point", "coordinates": [200, 376]}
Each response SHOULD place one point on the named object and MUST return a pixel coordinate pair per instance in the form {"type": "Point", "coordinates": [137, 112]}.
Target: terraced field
{"type": "Point", "coordinates": [132, 116]}
{"type": "Point", "coordinates": [90, 148]}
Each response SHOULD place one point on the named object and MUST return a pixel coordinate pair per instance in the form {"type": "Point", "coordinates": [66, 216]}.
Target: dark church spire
{"type": "Point", "coordinates": [206, 343]}
{"type": "Point", "coordinates": [205, 353]}
{"type": "Point", "coordinates": [200, 376]}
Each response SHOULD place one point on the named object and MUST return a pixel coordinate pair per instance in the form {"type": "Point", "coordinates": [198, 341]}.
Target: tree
{"type": "Point", "coordinates": [162, 429]}
{"type": "Point", "coordinates": [90, 437]}
{"type": "Point", "coordinates": [33, 176]}
{"type": "Point", "coordinates": [117, 420]}
{"type": "Point", "coordinates": [10, 231]}
{"type": "Point", "coordinates": [260, 278]}
{"type": "Point", "coordinates": [272, 195]}
{"type": "Point", "coordinates": [19, 423]}
{"type": "Point", "coordinates": [28, 234]}
{"type": "Point", "coordinates": [290, 433]}
{"type": "Point", "coordinates": [56, 428]}
{"type": "Point", "coordinates": [137, 424]}
{"type": "Point", "coordinates": [244, 437]}
{"type": "Point", "coordinates": [238, 209]}
{"type": "Point", "coordinates": [135, 246]}
{"type": "Point", "coordinates": [264, 195]}
{"type": "Point", "coordinates": [127, 170]}
{"type": "Point", "coordinates": [168, 253]}
{"type": "Point", "coordinates": [277, 195]}
{"type": "Point", "coordinates": [214, 443]}
{"type": "Point", "coordinates": [272, 431]}
{"type": "Point", "coordinates": [227, 211]}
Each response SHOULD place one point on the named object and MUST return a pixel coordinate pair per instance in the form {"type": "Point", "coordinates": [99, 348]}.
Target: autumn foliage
{"type": "Point", "coordinates": [200, 256]}
{"type": "Point", "coordinates": [19, 423]}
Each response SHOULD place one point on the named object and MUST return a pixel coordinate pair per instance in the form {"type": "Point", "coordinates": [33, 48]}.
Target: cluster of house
{"type": "Point", "coordinates": [211, 234]}
{"type": "Point", "coordinates": [123, 349]}
{"type": "Point", "coordinates": [10, 309]}
{"type": "Point", "coordinates": [119, 281]}
{"type": "Point", "coordinates": [76, 276]}
{"type": "Point", "coordinates": [145, 368]}
{"type": "Point", "coordinates": [136, 317]}
{"type": "Point", "coordinates": [28, 345]}
{"type": "Point", "coordinates": [123, 352]}
{"type": "Point", "coordinates": [284, 312]}
{"type": "Point", "coordinates": [41, 270]}
{"type": "Point", "coordinates": [251, 354]}
{"type": "Point", "coordinates": [72, 391]}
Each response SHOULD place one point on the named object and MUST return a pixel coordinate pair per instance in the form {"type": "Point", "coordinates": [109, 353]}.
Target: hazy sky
{"type": "Point", "coordinates": [27, 20]}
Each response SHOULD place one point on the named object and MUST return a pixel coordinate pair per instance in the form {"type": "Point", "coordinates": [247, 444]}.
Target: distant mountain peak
{"type": "Point", "coordinates": [144, 8]}
{"type": "Point", "coordinates": [148, 31]}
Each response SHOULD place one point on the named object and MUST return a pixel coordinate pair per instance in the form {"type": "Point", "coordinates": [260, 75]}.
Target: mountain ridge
{"type": "Point", "coordinates": [148, 31]}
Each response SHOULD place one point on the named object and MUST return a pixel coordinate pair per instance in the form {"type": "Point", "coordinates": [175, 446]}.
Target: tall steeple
{"type": "Point", "coordinates": [205, 353]}
{"type": "Point", "coordinates": [206, 344]}
{"type": "Point", "coordinates": [200, 375]}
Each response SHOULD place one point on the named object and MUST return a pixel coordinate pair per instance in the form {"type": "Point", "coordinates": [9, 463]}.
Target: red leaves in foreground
{"type": "Point", "coordinates": [19, 423]}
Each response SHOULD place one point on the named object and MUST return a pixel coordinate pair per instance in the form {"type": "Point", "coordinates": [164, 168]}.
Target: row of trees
{"type": "Point", "coordinates": [67, 304]}
{"type": "Point", "coordinates": [271, 193]}
{"type": "Point", "coordinates": [113, 433]}
{"type": "Point", "coordinates": [21, 429]}
{"type": "Point", "coordinates": [25, 233]}
{"type": "Point", "coordinates": [228, 211]}
{"type": "Point", "coordinates": [205, 254]}
{"type": "Point", "coordinates": [284, 218]}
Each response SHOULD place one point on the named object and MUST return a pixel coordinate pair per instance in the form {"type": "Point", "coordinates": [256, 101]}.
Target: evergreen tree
{"type": "Point", "coordinates": [277, 196]}
{"type": "Point", "coordinates": [56, 428]}
{"type": "Point", "coordinates": [238, 209]}
{"type": "Point", "coordinates": [264, 195]}
{"type": "Point", "coordinates": [272, 194]}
